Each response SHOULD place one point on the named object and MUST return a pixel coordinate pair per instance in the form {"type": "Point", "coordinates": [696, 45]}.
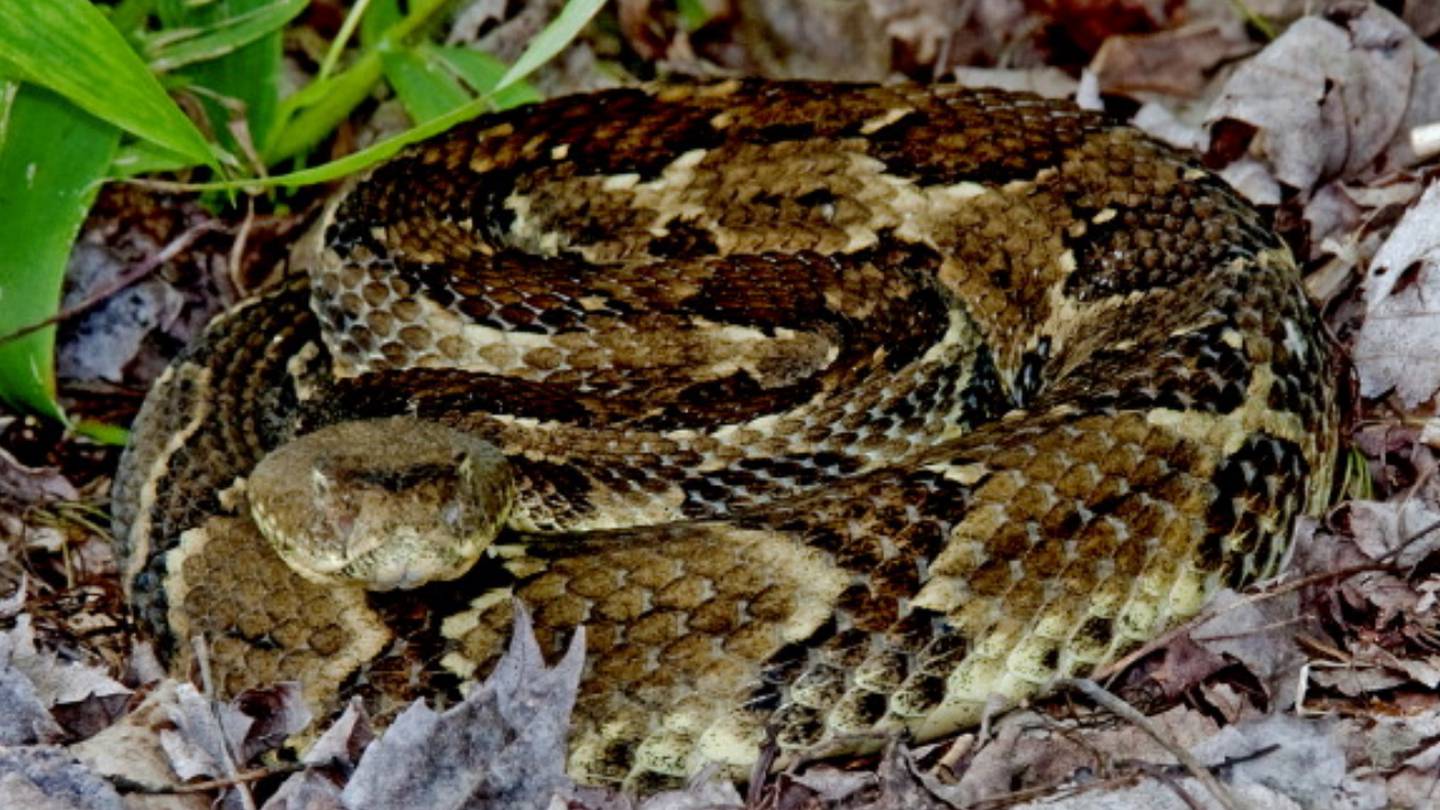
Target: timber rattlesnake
{"type": "Point", "coordinates": [829, 410]}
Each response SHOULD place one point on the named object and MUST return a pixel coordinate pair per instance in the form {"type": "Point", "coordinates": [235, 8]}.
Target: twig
{"type": "Point", "coordinates": [1115, 705]}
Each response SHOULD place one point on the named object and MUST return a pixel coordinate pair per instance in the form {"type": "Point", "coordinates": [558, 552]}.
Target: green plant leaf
{"type": "Point", "coordinates": [379, 17]}
{"type": "Point", "coordinates": [571, 19]}
{"type": "Point", "coordinates": [693, 14]}
{"type": "Point", "coordinates": [551, 40]}
{"type": "Point", "coordinates": [481, 72]}
{"type": "Point", "coordinates": [323, 109]}
{"type": "Point", "coordinates": [359, 10]}
{"type": "Point", "coordinates": [53, 157]}
{"type": "Point", "coordinates": [144, 157]}
{"type": "Point", "coordinates": [425, 88]}
{"type": "Point", "coordinates": [242, 79]}
{"type": "Point", "coordinates": [69, 47]}
{"type": "Point", "coordinates": [223, 36]}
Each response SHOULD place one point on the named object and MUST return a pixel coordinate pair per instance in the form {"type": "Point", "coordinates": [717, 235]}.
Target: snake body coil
{"type": "Point", "coordinates": [828, 410]}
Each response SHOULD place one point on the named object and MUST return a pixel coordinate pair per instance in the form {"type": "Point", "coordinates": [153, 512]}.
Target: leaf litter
{"type": "Point", "coordinates": [1317, 689]}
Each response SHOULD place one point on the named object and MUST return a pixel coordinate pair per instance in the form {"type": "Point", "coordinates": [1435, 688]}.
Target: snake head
{"type": "Point", "coordinates": [383, 504]}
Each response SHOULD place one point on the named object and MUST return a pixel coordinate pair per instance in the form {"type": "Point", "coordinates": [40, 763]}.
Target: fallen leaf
{"type": "Point", "coordinates": [706, 794]}
{"type": "Point", "coordinates": [34, 682]}
{"type": "Point", "coordinates": [1043, 81]}
{"type": "Point", "coordinates": [103, 342]}
{"type": "Point", "coordinates": [130, 749]}
{"type": "Point", "coordinates": [33, 484]}
{"type": "Point", "coordinates": [47, 778]}
{"type": "Point", "coordinates": [502, 746]}
{"type": "Point", "coordinates": [1175, 61]}
{"type": "Point", "coordinates": [1332, 95]}
{"type": "Point", "coordinates": [1398, 345]}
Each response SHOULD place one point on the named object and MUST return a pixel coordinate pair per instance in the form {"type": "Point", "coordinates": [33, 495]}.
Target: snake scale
{"type": "Point", "coordinates": [830, 412]}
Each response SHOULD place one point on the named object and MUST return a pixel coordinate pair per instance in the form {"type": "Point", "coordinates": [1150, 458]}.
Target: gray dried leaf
{"type": "Point", "coordinates": [329, 762]}
{"type": "Point", "coordinates": [46, 778]}
{"type": "Point", "coordinates": [345, 740]}
{"type": "Point", "coordinates": [502, 747]}
{"type": "Point", "coordinates": [130, 748]}
{"type": "Point", "coordinates": [832, 786]}
{"type": "Point", "coordinates": [101, 343]}
{"type": "Point", "coordinates": [215, 740]}
{"type": "Point", "coordinates": [307, 790]}
{"type": "Point", "coordinates": [1305, 761]}
{"type": "Point", "coordinates": [33, 484]}
{"type": "Point", "coordinates": [23, 717]}
{"type": "Point", "coordinates": [1029, 753]}
{"type": "Point", "coordinates": [1331, 95]}
{"type": "Point", "coordinates": [1395, 526]}
{"type": "Point", "coordinates": [197, 746]}
{"type": "Point", "coordinates": [1257, 633]}
{"type": "Point", "coordinates": [1353, 681]}
{"type": "Point", "coordinates": [1049, 82]}
{"type": "Point", "coordinates": [1254, 180]}
{"type": "Point", "coordinates": [1398, 345]}
{"type": "Point", "coordinates": [706, 794]}
{"type": "Point", "coordinates": [33, 682]}
{"type": "Point", "coordinates": [271, 715]}
{"type": "Point", "coordinates": [1162, 122]}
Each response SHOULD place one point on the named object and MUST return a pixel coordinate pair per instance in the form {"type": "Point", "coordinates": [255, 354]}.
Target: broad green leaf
{"type": "Point", "coordinates": [224, 36]}
{"type": "Point", "coordinates": [481, 72]}
{"type": "Point", "coordinates": [69, 47]}
{"type": "Point", "coordinates": [144, 157]}
{"type": "Point", "coordinates": [425, 88]}
{"type": "Point", "coordinates": [53, 157]}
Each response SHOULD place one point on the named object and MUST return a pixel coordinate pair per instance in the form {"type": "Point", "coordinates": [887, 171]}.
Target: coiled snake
{"type": "Point", "coordinates": [830, 411]}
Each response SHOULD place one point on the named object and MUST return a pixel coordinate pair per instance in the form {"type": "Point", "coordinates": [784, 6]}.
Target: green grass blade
{"type": "Point", "coordinates": [379, 17]}
{"type": "Point", "coordinates": [551, 40]}
{"type": "Point", "coordinates": [570, 20]}
{"type": "Point", "coordinates": [426, 89]}
{"type": "Point", "coordinates": [358, 12]}
{"type": "Point", "coordinates": [482, 72]}
{"type": "Point", "coordinates": [52, 159]}
{"type": "Point", "coordinates": [225, 36]}
{"type": "Point", "coordinates": [69, 47]}
{"type": "Point", "coordinates": [343, 92]}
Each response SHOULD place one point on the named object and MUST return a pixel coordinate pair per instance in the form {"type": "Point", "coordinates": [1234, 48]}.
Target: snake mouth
{"type": "Point", "coordinates": [381, 504]}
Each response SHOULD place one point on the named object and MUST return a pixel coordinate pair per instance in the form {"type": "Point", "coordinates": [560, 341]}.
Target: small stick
{"type": "Point", "coordinates": [1115, 705]}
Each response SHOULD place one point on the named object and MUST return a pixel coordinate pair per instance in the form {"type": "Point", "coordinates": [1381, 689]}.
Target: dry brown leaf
{"type": "Point", "coordinates": [1176, 61]}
